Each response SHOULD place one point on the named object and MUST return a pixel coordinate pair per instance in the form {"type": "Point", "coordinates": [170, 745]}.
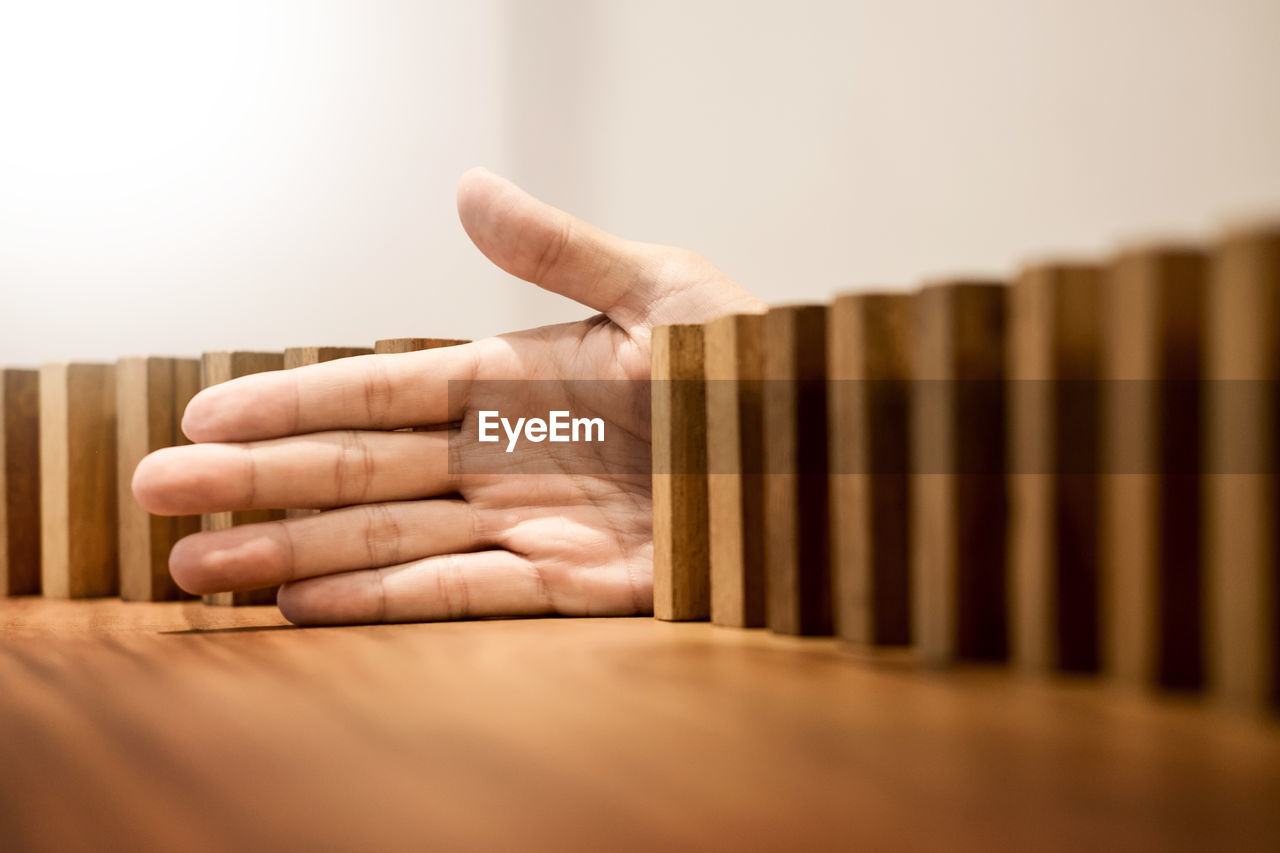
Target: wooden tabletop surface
{"type": "Point", "coordinates": [183, 727]}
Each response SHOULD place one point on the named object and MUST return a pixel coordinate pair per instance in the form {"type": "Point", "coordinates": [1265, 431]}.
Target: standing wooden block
{"type": "Point", "coordinates": [151, 395]}
{"type": "Point", "coordinates": [19, 482]}
{"type": "Point", "coordinates": [958, 495]}
{"type": "Point", "coordinates": [681, 562]}
{"type": "Point", "coordinates": [1243, 509]}
{"type": "Point", "coordinates": [797, 553]}
{"type": "Point", "coordinates": [869, 367]}
{"type": "Point", "coordinates": [1054, 357]}
{"type": "Point", "coordinates": [735, 460]}
{"type": "Point", "coordinates": [395, 345]}
{"type": "Point", "coordinates": [220, 367]}
{"type": "Point", "coordinates": [302, 356]}
{"type": "Point", "coordinates": [1151, 559]}
{"type": "Point", "coordinates": [78, 480]}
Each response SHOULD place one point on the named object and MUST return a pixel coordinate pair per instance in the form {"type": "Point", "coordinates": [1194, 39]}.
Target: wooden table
{"type": "Point", "coordinates": [183, 727]}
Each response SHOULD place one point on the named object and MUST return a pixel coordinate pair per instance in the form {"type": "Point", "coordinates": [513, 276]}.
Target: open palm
{"type": "Point", "coordinates": [419, 534]}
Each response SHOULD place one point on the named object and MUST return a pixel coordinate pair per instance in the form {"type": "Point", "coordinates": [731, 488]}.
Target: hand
{"type": "Point", "coordinates": [414, 539]}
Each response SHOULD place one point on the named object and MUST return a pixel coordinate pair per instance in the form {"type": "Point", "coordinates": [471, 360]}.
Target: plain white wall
{"type": "Point", "coordinates": [275, 173]}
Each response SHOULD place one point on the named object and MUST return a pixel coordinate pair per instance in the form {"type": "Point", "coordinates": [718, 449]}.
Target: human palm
{"type": "Point", "coordinates": [426, 528]}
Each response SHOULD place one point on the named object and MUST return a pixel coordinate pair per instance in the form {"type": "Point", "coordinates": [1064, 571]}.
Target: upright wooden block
{"type": "Point", "coordinates": [681, 562]}
{"type": "Point", "coordinates": [78, 480]}
{"type": "Point", "coordinates": [958, 495]}
{"type": "Point", "coordinates": [151, 395]}
{"type": "Point", "coordinates": [302, 356]}
{"type": "Point", "coordinates": [735, 460]}
{"type": "Point", "coordinates": [1243, 509]}
{"type": "Point", "coordinates": [19, 482]}
{"type": "Point", "coordinates": [395, 345]}
{"type": "Point", "coordinates": [1054, 356]}
{"type": "Point", "coordinates": [220, 367]}
{"type": "Point", "coordinates": [869, 368]}
{"type": "Point", "coordinates": [1151, 558]}
{"type": "Point", "coordinates": [797, 553]}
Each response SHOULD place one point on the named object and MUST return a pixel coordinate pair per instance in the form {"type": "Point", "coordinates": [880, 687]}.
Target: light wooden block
{"type": "Point", "coordinates": [151, 395]}
{"type": "Point", "coordinates": [958, 495]}
{"type": "Point", "coordinates": [19, 482]}
{"type": "Point", "coordinates": [797, 552]}
{"type": "Point", "coordinates": [218, 367]}
{"type": "Point", "coordinates": [735, 460]}
{"type": "Point", "coordinates": [78, 481]}
{"type": "Point", "coordinates": [1243, 506]}
{"type": "Point", "coordinates": [1152, 543]}
{"type": "Point", "coordinates": [869, 368]}
{"type": "Point", "coordinates": [1054, 355]}
{"type": "Point", "coordinates": [681, 561]}
{"type": "Point", "coordinates": [301, 357]}
{"type": "Point", "coordinates": [397, 345]}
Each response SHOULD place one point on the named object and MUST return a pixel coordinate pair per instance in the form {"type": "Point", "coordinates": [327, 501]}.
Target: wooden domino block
{"type": "Point", "coordinates": [218, 367]}
{"type": "Point", "coordinates": [151, 395]}
{"type": "Point", "coordinates": [1243, 506]}
{"type": "Point", "coordinates": [681, 562]}
{"type": "Point", "coordinates": [958, 495]}
{"type": "Point", "coordinates": [797, 553]}
{"type": "Point", "coordinates": [396, 345]}
{"type": "Point", "coordinates": [869, 368]}
{"type": "Point", "coordinates": [735, 460]}
{"type": "Point", "coordinates": [78, 481]}
{"type": "Point", "coordinates": [19, 482]}
{"type": "Point", "coordinates": [1054, 353]}
{"type": "Point", "coordinates": [302, 356]}
{"type": "Point", "coordinates": [1153, 312]}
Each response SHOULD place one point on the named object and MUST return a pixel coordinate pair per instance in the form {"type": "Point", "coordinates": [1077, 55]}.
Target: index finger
{"type": "Point", "coordinates": [361, 392]}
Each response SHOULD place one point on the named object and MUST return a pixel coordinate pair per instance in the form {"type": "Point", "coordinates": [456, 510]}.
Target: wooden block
{"type": "Point", "coordinates": [302, 356]}
{"type": "Point", "coordinates": [1151, 559]}
{"type": "Point", "coordinates": [220, 367]}
{"type": "Point", "coordinates": [1243, 507]}
{"type": "Point", "coordinates": [151, 395]}
{"type": "Point", "coordinates": [797, 553]}
{"type": "Point", "coordinates": [735, 460]}
{"type": "Point", "coordinates": [869, 368]}
{"type": "Point", "coordinates": [78, 523]}
{"type": "Point", "coordinates": [681, 562]}
{"type": "Point", "coordinates": [1054, 355]}
{"type": "Point", "coordinates": [19, 482]}
{"type": "Point", "coordinates": [395, 345]}
{"type": "Point", "coordinates": [958, 495]}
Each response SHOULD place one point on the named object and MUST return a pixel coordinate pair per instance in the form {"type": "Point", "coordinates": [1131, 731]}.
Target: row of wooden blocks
{"type": "Point", "coordinates": [71, 436]}
{"type": "Point", "coordinates": [1046, 472]}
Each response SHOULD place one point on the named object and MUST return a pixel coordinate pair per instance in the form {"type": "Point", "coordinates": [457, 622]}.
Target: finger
{"type": "Point", "coordinates": [455, 586]}
{"type": "Point", "coordinates": [320, 470]}
{"type": "Point", "coordinates": [360, 537]}
{"type": "Point", "coordinates": [538, 243]}
{"type": "Point", "coordinates": [362, 392]}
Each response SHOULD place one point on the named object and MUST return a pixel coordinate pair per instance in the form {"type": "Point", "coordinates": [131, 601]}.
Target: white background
{"type": "Point", "coordinates": [185, 176]}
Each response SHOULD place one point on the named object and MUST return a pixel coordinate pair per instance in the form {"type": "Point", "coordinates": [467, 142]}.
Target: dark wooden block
{"type": "Point", "coordinates": [19, 482]}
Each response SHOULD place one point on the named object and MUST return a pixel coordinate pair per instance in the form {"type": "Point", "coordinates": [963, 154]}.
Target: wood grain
{"type": "Point", "coordinates": [151, 395]}
{"type": "Point", "coordinates": [301, 357]}
{"type": "Point", "coordinates": [179, 727]}
{"type": "Point", "coordinates": [958, 495]}
{"type": "Point", "coordinates": [19, 482]}
{"type": "Point", "coordinates": [398, 345]}
{"type": "Point", "coordinates": [218, 367]}
{"type": "Point", "coordinates": [797, 537]}
{"type": "Point", "coordinates": [735, 460]}
{"type": "Point", "coordinates": [1151, 558]}
{"type": "Point", "coordinates": [1054, 354]}
{"type": "Point", "coordinates": [1243, 505]}
{"type": "Point", "coordinates": [78, 524]}
{"type": "Point", "coordinates": [869, 367]}
{"type": "Point", "coordinates": [681, 546]}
